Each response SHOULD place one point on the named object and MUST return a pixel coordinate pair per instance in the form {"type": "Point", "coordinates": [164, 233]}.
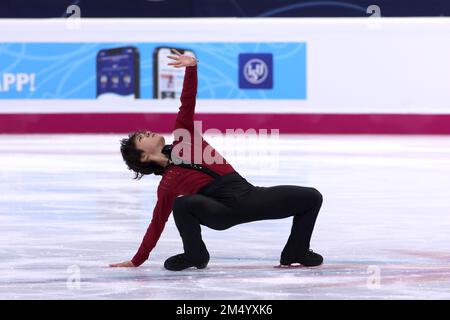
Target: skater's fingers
{"type": "Point", "coordinates": [176, 64]}
{"type": "Point", "coordinates": [115, 265]}
{"type": "Point", "coordinates": [173, 57]}
{"type": "Point", "coordinates": [126, 264]}
{"type": "Point", "coordinates": [118, 265]}
{"type": "Point", "coordinates": [176, 51]}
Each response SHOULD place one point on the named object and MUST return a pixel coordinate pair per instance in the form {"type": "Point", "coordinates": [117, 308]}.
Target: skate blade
{"type": "Point", "coordinates": [294, 266]}
{"type": "Point", "coordinates": [289, 266]}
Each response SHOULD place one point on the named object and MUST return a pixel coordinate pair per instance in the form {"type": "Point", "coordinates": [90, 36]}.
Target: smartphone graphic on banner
{"type": "Point", "coordinates": [167, 80]}
{"type": "Point", "coordinates": [118, 74]}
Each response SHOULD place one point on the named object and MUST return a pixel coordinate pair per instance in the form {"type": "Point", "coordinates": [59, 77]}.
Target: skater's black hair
{"type": "Point", "coordinates": [132, 157]}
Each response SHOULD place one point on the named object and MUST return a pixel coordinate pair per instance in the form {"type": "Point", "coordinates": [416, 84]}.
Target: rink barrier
{"type": "Point", "coordinates": [306, 123]}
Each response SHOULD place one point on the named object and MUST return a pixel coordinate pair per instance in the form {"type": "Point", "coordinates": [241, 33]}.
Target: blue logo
{"type": "Point", "coordinates": [255, 71]}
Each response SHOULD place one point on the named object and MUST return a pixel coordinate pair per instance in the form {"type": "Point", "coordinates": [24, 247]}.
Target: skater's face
{"type": "Point", "coordinates": [150, 143]}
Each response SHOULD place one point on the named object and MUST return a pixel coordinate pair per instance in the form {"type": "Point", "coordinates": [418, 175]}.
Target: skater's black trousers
{"type": "Point", "coordinates": [232, 200]}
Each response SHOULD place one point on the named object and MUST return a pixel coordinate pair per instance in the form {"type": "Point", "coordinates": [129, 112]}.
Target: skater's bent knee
{"type": "Point", "coordinates": [317, 195]}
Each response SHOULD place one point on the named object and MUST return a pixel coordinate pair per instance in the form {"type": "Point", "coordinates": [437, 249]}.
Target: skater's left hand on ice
{"type": "Point", "coordinates": [126, 264]}
{"type": "Point", "coordinates": [181, 60]}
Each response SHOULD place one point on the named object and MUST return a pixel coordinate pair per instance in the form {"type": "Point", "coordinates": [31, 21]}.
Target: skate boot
{"type": "Point", "coordinates": [179, 262]}
{"type": "Point", "coordinates": [309, 259]}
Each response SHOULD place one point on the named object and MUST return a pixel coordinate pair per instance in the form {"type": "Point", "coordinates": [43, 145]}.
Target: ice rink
{"type": "Point", "coordinates": [69, 207]}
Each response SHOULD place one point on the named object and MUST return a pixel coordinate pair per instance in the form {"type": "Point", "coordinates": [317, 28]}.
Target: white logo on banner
{"type": "Point", "coordinates": [374, 10]}
{"type": "Point", "coordinates": [256, 71]}
{"type": "Point", "coordinates": [73, 21]}
{"type": "Point", "coordinates": [17, 82]}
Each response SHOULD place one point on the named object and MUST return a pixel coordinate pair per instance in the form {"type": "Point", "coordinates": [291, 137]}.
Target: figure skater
{"type": "Point", "coordinates": [212, 195]}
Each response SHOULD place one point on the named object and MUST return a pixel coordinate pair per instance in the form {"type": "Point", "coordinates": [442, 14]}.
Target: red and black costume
{"type": "Point", "coordinates": [215, 195]}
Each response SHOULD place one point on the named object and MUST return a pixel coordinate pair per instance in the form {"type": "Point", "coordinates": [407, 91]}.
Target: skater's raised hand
{"type": "Point", "coordinates": [181, 60]}
{"type": "Point", "coordinates": [126, 264]}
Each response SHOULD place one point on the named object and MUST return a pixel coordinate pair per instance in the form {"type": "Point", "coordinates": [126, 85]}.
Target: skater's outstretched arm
{"type": "Point", "coordinates": [185, 117]}
{"type": "Point", "coordinates": [161, 214]}
{"type": "Point", "coordinates": [185, 120]}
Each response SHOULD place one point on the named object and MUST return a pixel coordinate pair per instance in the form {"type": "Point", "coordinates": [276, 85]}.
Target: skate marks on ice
{"type": "Point", "coordinates": [69, 208]}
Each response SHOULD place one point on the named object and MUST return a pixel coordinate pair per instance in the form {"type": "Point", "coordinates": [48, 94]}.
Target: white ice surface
{"type": "Point", "coordinates": [68, 208]}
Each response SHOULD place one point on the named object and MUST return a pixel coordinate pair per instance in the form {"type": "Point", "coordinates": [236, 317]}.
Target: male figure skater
{"type": "Point", "coordinates": [213, 195]}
